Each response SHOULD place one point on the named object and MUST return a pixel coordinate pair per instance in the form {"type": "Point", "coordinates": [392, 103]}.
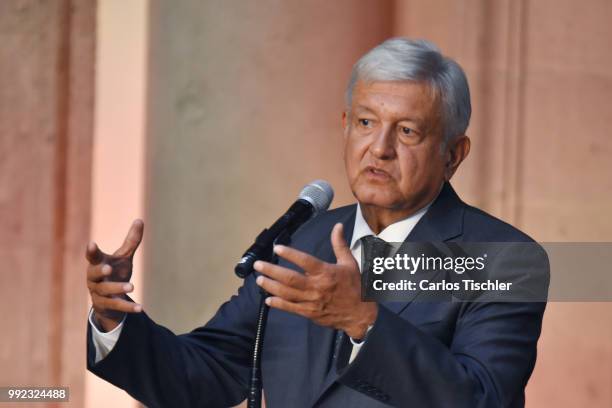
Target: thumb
{"type": "Point", "coordinates": [132, 240]}
{"type": "Point", "coordinates": [341, 249]}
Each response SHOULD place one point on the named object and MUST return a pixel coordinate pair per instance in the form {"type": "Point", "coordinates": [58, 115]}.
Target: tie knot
{"type": "Point", "coordinates": [374, 247]}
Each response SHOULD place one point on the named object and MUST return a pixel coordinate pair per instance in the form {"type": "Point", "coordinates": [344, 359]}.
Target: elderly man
{"type": "Point", "coordinates": [407, 111]}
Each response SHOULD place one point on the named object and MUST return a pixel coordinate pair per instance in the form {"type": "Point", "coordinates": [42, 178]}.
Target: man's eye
{"type": "Point", "coordinates": [406, 130]}
{"type": "Point", "coordinates": [365, 122]}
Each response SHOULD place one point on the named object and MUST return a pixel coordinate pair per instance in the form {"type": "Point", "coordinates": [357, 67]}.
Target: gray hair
{"type": "Point", "coordinates": [403, 59]}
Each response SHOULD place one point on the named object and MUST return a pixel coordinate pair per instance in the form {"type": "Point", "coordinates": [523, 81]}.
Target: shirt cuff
{"type": "Point", "coordinates": [357, 344]}
{"type": "Point", "coordinates": [365, 336]}
{"type": "Point", "coordinates": [104, 342]}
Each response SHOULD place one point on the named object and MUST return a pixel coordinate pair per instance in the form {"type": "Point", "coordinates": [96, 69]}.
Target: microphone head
{"type": "Point", "coordinates": [318, 193]}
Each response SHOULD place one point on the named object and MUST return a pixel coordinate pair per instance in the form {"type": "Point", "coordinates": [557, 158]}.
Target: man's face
{"type": "Point", "coordinates": [393, 137]}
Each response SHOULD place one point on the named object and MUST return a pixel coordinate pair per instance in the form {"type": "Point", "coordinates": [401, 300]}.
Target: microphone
{"type": "Point", "coordinates": [315, 197]}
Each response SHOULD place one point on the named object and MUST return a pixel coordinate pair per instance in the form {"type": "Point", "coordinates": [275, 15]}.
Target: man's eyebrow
{"type": "Point", "coordinates": [418, 121]}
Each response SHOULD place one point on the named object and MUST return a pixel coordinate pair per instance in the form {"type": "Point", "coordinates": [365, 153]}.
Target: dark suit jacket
{"type": "Point", "coordinates": [416, 355]}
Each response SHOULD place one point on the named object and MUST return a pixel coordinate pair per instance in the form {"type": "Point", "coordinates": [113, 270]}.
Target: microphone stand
{"type": "Point", "coordinates": [255, 383]}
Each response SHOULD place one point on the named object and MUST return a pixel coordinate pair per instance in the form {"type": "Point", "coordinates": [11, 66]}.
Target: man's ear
{"type": "Point", "coordinates": [345, 122]}
{"type": "Point", "coordinates": [458, 150]}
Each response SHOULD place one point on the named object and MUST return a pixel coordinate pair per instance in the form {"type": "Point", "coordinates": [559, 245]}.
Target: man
{"type": "Point", "coordinates": [408, 108]}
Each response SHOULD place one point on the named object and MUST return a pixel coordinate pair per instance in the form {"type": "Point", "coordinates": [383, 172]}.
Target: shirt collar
{"type": "Point", "coordinates": [396, 232]}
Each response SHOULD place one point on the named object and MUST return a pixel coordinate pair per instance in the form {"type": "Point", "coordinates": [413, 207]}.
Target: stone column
{"type": "Point", "coordinates": [245, 103]}
{"type": "Point", "coordinates": [46, 94]}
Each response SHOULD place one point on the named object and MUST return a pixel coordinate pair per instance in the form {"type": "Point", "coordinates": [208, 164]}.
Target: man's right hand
{"type": "Point", "coordinates": [108, 279]}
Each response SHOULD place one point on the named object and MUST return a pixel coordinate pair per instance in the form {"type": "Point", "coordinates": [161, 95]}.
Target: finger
{"type": "Point", "coordinates": [96, 273]}
{"type": "Point", "coordinates": [291, 307]}
{"type": "Point", "coordinates": [93, 253]}
{"type": "Point", "coordinates": [284, 275]}
{"type": "Point", "coordinates": [111, 288]}
{"type": "Point", "coordinates": [310, 264]}
{"type": "Point", "coordinates": [341, 248]}
{"type": "Point", "coordinates": [283, 291]}
{"type": "Point", "coordinates": [132, 239]}
{"type": "Point", "coordinates": [116, 304]}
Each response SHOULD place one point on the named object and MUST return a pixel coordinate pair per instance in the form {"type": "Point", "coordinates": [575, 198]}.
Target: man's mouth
{"type": "Point", "coordinates": [376, 173]}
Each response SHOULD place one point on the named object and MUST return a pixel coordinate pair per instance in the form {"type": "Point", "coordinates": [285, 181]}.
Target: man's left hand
{"type": "Point", "coordinates": [328, 294]}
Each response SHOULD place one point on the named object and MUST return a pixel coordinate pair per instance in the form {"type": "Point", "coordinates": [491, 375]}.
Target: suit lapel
{"type": "Point", "coordinates": [442, 222]}
{"type": "Point", "coordinates": [324, 250]}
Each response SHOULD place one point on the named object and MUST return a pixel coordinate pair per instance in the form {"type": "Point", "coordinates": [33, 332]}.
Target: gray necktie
{"type": "Point", "coordinates": [372, 247]}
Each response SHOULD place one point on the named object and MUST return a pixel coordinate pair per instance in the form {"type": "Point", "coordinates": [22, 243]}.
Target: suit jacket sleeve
{"type": "Point", "coordinates": [488, 363]}
{"type": "Point", "coordinates": [206, 367]}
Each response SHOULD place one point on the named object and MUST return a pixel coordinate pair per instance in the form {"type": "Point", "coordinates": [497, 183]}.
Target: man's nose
{"type": "Point", "coordinates": [383, 144]}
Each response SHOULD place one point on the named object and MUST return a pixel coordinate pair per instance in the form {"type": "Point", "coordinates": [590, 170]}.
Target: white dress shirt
{"type": "Point", "coordinates": [396, 232]}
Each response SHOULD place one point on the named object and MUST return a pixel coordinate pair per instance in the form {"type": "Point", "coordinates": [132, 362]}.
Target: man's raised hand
{"type": "Point", "coordinates": [328, 294]}
{"type": "Point", "coordinates": [108, 278]}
